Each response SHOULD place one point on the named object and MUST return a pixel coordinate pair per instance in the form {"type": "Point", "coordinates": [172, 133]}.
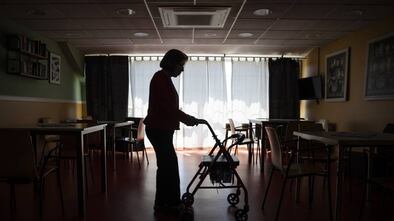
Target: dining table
{"type": "Point", "coordinates": [345, 141]}
{"type": "Point", "coordinates": [78, 131]}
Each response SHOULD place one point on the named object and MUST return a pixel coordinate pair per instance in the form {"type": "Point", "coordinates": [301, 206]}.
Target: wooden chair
{"type": "Point", "coordinates": [290, 170]}
{"type": "Point", "coordinates": [18, 165]}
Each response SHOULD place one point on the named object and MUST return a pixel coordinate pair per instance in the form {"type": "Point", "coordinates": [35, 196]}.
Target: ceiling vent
{"type": "Point", "coordinates": [194, 17]}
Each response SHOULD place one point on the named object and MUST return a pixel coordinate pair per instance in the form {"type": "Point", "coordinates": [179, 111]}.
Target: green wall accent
{"type": "Point", "coordinates": [72, 82]}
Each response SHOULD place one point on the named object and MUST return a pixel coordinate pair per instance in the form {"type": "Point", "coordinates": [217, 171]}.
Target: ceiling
{"type": "Point", "coordinates": [293, 27]}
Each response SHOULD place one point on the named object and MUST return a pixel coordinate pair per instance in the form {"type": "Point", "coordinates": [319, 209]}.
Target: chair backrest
{"type": "Point", "coordinates": [310, 126]}
{"type": "Point", "coordinates": [324, 123]}
{"type": "Point", "coordinates": [17, 158]}
{"type": "Point", "coordinates": [389, 128]}
{"type": "Point", "coordinates": [276, 152]}
{"type": "Point", "coordinates": [141, 130]}
{"type": "Point", "coordinates": [232, 126]}
{"type": "Point", "coordinates": [291, 127]}
{"type": "Point", "coordinates": [388, 151]}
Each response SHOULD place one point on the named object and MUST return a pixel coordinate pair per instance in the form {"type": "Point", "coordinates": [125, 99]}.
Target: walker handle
{"type": "Point", "coordinates": [202, 121]}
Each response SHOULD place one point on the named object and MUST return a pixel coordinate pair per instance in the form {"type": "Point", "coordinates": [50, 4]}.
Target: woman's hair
{"type": "Point", "coordinates": [172, 58]}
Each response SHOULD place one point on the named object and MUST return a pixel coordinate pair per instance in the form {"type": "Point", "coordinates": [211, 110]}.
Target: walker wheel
{"type": "Point", "coordinates": [233, 199]}
{"type": "Point", "coordinates": [187, 199]}
{"type": "Point", "coordinates": [241, 215]}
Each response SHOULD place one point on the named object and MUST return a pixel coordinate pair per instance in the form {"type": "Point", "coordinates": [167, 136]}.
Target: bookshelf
{"type": "Point", "coordinates": [27, 57]}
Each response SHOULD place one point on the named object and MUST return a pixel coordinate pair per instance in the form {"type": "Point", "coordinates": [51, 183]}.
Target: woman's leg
{"type": "Point", "coordinates": [167, 175]}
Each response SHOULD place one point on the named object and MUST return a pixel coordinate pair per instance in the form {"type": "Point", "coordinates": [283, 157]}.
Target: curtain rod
{"type": "Point", "coordinates": [205, 55]}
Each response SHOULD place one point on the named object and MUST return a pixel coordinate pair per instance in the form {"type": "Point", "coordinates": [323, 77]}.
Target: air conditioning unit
{"type": "Point", "coordinates": [194, 17]}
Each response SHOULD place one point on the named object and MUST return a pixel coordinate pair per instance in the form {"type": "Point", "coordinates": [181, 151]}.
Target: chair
{"type": "Point", "coordinates": [318, 152]}
{"type": "Point", "coordinates": [384, 180]}
{"type": "Point", "coordinates": [247, 141]}
{"type": "Point", "coordinates": [136, 144]}
{"type": "Point", "coordinates": [18, 165]}
{"type": "Point", "coordinates": [52, 140]}
{"type": "Point", "coordinates": [68, 153]}
{"type": "Point", "coordinates": [315, 151]}
{"type": "Point", "coordinates": [288, 171]}
{"type": "Point", "coordinates": [288, 140]}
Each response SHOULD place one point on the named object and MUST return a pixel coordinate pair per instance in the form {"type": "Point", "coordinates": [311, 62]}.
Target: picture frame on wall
{"type": "Point", "coordinates": [337, 68]}
{"type": "Point", "coordinates": [54, 68]}
{"type": "Point", "coordinates": [379, 70]}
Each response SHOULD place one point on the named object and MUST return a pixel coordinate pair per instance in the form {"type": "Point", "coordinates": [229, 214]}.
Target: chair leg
{"type": "Point", "coordinates": [86, 177]}
{"type": "Point", "coordinates": [91, 168]}
{"type": "Point", "coordinates": [236, 149]}
{"type": "Point", "coordinates": [146, 155]}
{"type": "Point", "coordinates": [349, 165]}
{"type": "Point", "coordinates": [311, 187]}
{"type": "Point", "coordinates": [138, 159]}
{"type": "Point", "coordinates": [280, 199]}
{"type": "Point", "coordinates": [363, 201]}
{"type": "Point", "coordinates": [267, 188]}
{"type": "Point", "coordinates": [59, 183]}
{"type": "Point", "coordinates": [329, 191]}
{"type": "Point", "coordinates": [298, 188]}
{"type": "Point", "coordinates": [12, 201]}
{"type": "Point", "coordinates": [40, 199]}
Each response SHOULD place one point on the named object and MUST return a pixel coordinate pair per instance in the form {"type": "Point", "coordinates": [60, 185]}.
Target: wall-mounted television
{"type": "Point", "coordinates": [310, 88]}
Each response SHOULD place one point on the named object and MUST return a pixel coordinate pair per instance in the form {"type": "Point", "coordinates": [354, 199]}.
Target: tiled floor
{"type": "Point", "coordinates": [131, 194]}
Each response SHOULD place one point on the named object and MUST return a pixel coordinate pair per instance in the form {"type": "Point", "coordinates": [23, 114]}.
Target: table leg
{"type": "Point", "coordinates": [297, 180]}
{"type": "Point", "coordinates": [250, 153]}
{"type": "Point", "coordinates": [328, 147]}
{"type": "Point", "coordinates": [104, 164]}
{"type": "Point", "coordinates": [263, 150]}
{"type": "Point", "coordinates": [369, 168]}
{"type": "Point", "coordinates": [338, 197]}
{"type": "Point", "coordinates": [113, 147]}
{"type": "Point", "coordinates": [81, 176]}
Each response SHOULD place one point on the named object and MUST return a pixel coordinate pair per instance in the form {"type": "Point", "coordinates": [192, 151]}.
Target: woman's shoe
{"type": "Point", "coordinates": [173, 209]}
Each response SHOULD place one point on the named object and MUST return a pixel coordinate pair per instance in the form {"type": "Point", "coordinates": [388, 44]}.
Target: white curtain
{"type": "Point", "coordinates": [249, 90]}
{"type": "Point", "coordinates": [206, 90]}
{"type": "Point", "coordinates": [204, 96]}
{"type": "Point", "coordinates": [141, 72]}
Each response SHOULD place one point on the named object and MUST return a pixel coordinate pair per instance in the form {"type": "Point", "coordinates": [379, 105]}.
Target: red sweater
{"type": "Point", "coordinates": [163, 108]}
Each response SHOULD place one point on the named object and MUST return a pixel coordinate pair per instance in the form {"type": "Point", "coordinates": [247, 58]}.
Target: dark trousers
{"type": "Point", "coordinates": [167, 175]}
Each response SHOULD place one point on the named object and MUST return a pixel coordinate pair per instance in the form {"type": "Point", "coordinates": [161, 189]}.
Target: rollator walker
{"type": "Point", "coordinates": [221, 167]}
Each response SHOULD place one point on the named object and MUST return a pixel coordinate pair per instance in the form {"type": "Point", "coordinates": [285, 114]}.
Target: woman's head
{"type": "Point", "coordinates": [173, 62]}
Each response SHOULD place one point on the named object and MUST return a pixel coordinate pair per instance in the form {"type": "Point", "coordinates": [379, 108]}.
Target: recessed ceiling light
{"type": "Point", "coordinates": [262, 12]}
{"type": "Point", "coordinates": [210, 35]}
{"type": "Point", "coordinates": [73, 35]}
{"type": "Point", "coordinates": [140, 34]}
{"type": "Point", "coordinates": [313, 35]}
{"type": "Point", "coordinates": [35, 12]}
{"type": "Point", "coordinates": [245, 35]}
{"type": "Point", "coordinates": [125, 11]}
{"type": "Point", "coordinates": [355, 12]}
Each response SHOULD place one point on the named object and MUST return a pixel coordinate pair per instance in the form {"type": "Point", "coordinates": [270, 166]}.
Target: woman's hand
{"type": "Point", "coordinates": [191, 121]}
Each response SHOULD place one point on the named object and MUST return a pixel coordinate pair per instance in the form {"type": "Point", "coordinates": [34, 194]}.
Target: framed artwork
{"type": "Point", "coordinates": [337, 75]}
{"type": "Point", "coordinates": [54, 68]}
{"type": "Point", "coordinates": [379, 71]}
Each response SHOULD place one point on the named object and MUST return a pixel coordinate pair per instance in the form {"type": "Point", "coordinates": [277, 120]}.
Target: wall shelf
{"type": "Point", "coordinates": [27, 57]}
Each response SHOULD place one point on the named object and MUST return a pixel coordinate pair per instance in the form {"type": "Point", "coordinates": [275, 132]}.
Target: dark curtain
{"type": "Point", "coordinates": [283, 88]}
{"type": "Point", "coordinates": [119, 78]}
{"type": "Point", "coordinates": [107, 87]}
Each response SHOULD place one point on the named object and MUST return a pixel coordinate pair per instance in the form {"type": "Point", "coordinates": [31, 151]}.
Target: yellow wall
{"type": "Point", "coordinates": [356, 114]}
{"type": "Point", "coordinates": [20, 113]}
